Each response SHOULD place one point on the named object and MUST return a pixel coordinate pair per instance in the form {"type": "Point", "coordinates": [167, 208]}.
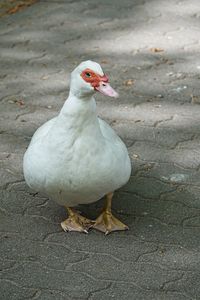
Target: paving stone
{"type": "Point", "coordinates": [177, 258]}
{"type": "Point", "coordinates": [115, 248]}
{"type": "Point", "coordinates": [152, 229]}
{"type": "Point", "coordinates": [189, 284]}
{"type": "Point", "coordinates": [47, 254]}
{"type": "Point", "coordinates": [32, 227]}
{"type": "Point", "coordinates": [185, 158]}
{"type": "Point", "coordinates": [187, 195]}
{"type": "Point", "coordinates": [6, 263]}
{"type": "Point", "coordinates": [162, 209]}
{"type": "Point", "coordinates": [154, 45]}
{"type": "Point", "coordinates": [51, 295]}
{"type": "Point", "coordinates": [148, 188]}
{"type": "Point", "coordinates": [10, 290]}
{"type": "Point", "coordinates": [129, 272]}
{"type": "Point", "coordinates": [27, 274]}
{"type": "Point", "coordinates": [127, 291]}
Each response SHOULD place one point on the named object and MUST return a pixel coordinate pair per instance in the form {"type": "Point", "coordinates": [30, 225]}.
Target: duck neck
{"type": "Point", "coordinates": [79, 112]}
{"type": "Point", "coordinates": [79, 106]}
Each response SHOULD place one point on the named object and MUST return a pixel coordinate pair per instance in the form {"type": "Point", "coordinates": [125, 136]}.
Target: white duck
{"type": "Point", "coordinates": [77, 158]}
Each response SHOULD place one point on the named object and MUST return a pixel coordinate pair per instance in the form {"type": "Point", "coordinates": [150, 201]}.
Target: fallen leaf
{"type": "Point", "coordinates": [21, 5]}
{"type": "Point", "coordinates": [104, 61]}
{"type": "Point", "coordinates": [195, 99]}
{"type": "Point", "coordinates": [14, 9]}
{"type": "Point", "coordinates": [45, 77]}
{"type": "Point", "coordinates": [19, 102]}
{"type": "Point", "coordinates": [148, 167]}
{"type": "Point", "coordinates": [129, 82]}
{"type": "Point", "coordinates": [156, 50]}
{"type": "Point", "coordinates": [169, 62]}
{"type": "Point", "coordinates": [113, 122]}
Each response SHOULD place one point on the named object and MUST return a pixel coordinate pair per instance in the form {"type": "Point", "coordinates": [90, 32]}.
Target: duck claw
{"type": "Point", "coordinates": [107, 223]}
{"type": "Point", "coordinates": [77, 223]}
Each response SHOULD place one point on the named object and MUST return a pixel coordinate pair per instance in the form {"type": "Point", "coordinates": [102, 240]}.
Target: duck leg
{"type": "Point", "coordinates": [76, 222]}
{"type": "Point", "coordinates": [106, 222]}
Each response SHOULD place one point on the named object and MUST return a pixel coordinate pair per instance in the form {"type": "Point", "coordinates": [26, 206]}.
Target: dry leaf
{"type": "Point", "coordinates": [129, 82]}
{"type": "Point", "coordinates": [19, 102]}
{"type": "Point", "coordinates": [156, 50]}
{"type": "Point", "coordinates": [104, 61]}
{"type": "Point", "coordinates": [21, 5]}
{"type": "Point", "coordinates": [45, 77]}
{"type": "Point", "coordinates": [14, 9]}
{"type": "Point", "coordinates": [148, 167]}
{"type": "Point", "coordinates": [195, 99]}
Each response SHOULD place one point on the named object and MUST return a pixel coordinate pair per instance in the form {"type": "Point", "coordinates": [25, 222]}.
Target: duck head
{"type": "Point", "coordinates": [88, 78]}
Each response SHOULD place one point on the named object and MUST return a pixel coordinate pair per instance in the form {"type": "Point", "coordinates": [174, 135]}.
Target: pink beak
{"type": "Point", "coordinates": [105, 89]}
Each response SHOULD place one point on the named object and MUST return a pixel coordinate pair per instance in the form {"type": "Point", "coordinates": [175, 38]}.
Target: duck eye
{"type": "Point", "coordinates": [87, 74]}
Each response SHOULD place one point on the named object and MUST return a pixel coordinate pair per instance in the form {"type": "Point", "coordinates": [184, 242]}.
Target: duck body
{"type": "Point", "coordinates": [76, 158]}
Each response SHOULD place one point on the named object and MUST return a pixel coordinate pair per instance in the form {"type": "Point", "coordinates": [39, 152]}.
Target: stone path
{"type": "Point", "coordinates": [150, 49]}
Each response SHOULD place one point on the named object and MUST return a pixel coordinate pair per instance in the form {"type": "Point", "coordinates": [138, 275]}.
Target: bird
{"type": "Point", "coordinates": [76, 157]}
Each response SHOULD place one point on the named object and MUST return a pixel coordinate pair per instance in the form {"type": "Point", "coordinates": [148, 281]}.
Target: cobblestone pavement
{"type": "Point", "coordinates": [150, 49]}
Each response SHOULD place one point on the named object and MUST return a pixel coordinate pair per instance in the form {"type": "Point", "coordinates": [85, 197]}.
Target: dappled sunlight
{"type": "Point", "coordinates": [8, 54]}
{"type": "Point", "coordinates": [150, 52]}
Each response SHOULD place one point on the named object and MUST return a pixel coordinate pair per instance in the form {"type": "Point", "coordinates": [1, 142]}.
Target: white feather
{"type": "Point", "coordinates": [76, 157]}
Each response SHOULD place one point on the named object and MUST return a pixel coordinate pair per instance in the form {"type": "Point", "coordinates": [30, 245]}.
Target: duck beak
{"type": "Point", "coordinates": [105, 89]}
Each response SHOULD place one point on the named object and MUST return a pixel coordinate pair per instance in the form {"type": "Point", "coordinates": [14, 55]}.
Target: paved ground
{"type": "Point", "coordinates": [150, 49]}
